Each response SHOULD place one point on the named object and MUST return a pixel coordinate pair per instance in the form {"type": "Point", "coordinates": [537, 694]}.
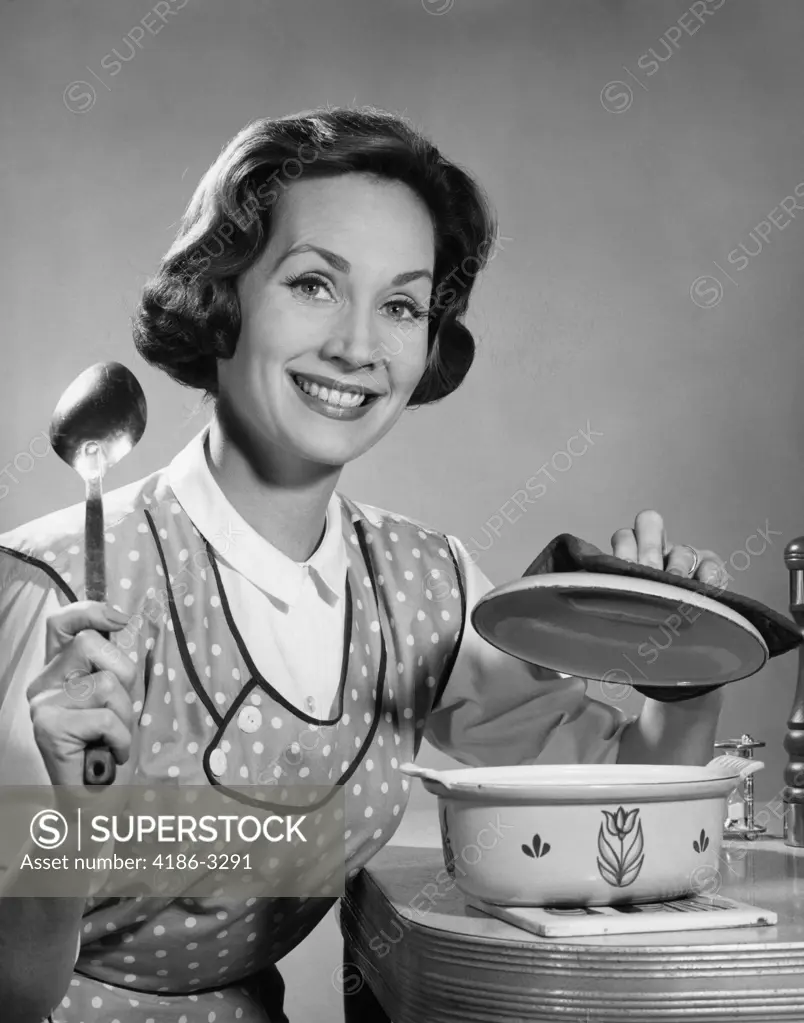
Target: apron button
{"type": "Point", "coordinates": [217, 762]}
{"type": "Point", "coordinates": [249, 719]}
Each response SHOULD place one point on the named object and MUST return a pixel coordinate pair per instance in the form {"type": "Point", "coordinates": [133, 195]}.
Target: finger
{"type": "Point", "coordinates": [650, 537]}
{"type": "Point", "coordinates": [624, 545]}
{"type": "Point", "coordinates": [74, 618]}
{"type": "Point", "coordinates": [77, 729]}
{"type": "Point", "coordinates": [711, 569]}
{"type": "Point", "coordinates": [682, 559]}
{"type": "Point", "coordinates": [100, 689]}
{"type": "Point", "coordinates": [90, 649]}
{"type": "Point", "coordinates": [88, 652]}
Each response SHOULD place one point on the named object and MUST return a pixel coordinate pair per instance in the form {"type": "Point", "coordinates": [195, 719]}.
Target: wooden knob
{"type": "Point", "coordinates": [793, 792]}
{"type": "Point", "coordinates": [794, 554]}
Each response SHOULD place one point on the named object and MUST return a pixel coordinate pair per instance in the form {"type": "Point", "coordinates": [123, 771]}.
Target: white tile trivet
{"type": "Point", "coordinates": [695, 913]}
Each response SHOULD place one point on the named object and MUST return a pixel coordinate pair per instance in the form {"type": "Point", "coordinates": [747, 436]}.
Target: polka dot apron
{"type": "Point", "coordinates": [207, 716]}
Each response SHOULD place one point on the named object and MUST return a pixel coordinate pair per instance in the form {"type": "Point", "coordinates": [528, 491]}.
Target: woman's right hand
{"type": "Point", "coordinates": [83, 695]}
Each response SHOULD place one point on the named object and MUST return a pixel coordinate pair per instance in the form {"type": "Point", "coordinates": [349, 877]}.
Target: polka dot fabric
{"type": "Point", "coordinates": [206, 717]}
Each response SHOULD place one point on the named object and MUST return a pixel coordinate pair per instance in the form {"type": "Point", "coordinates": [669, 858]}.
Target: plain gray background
{"type": "Point", "coordinates": [620, 177]}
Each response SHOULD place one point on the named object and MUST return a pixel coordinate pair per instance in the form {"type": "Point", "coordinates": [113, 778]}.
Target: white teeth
{"type": "Point", "coordinates": [339, 399]}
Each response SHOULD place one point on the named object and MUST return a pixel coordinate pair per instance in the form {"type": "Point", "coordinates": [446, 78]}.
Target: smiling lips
{"type": "Point", "coordinates": [333, 394]}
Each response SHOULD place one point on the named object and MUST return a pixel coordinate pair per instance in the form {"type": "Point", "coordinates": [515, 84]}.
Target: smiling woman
{"type": "Point", "coordinates": [190, 316]}
{"type": "Point", "coordinates": [316, 322]}
{"type": "Point", "coordinates": [315, 291]}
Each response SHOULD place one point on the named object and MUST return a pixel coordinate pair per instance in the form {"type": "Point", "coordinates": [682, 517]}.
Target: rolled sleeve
{"type": "Point", "coordinates": [497, 710]}
{"type": "Point", "coordinates": [26, 601]}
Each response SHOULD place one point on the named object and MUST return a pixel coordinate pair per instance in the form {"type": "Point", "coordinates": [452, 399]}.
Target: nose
{"type": "Point", "coordinates": [355, 341]}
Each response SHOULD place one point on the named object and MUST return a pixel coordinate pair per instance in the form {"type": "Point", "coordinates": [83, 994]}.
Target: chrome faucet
{"type": "Point", "coordinates": [740, 822]}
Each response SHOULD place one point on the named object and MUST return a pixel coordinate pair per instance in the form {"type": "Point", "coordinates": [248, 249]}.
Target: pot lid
{"type": "Point", "coordinates": [620, 629]}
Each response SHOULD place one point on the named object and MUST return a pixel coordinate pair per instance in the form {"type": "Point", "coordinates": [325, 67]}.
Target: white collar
{"type": "Point", "coordinates": [242, 547]}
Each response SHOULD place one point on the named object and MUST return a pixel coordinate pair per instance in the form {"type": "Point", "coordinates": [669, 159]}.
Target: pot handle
{"type": "Point", "coordinates": [742, 767]}
{"type": "Point", "coordinates": [426, 773]}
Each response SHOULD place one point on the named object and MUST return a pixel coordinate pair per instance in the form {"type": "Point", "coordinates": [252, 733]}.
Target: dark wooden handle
{"type": "Point", "coordinates": [100, 767]}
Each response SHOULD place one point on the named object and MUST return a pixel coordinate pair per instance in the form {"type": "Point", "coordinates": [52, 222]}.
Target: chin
{"type": "Point", "coordinates": [332, 443]}
{"type": "Point", "coordinates": [334, 455]}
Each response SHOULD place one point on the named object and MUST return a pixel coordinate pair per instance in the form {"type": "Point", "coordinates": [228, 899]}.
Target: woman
{"type": "Point", "coordinates": [316, 289]}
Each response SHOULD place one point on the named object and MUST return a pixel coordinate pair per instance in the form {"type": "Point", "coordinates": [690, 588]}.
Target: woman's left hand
{"type": "Point", "coordinates": [647, 544]}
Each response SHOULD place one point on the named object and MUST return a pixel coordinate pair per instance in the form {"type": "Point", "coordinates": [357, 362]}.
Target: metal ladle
{"type": "Point", "coordinates": [98, 420]}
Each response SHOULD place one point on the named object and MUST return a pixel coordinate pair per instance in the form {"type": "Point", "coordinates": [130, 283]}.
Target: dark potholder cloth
{"type": "Point", "coordinates": [568, 553]}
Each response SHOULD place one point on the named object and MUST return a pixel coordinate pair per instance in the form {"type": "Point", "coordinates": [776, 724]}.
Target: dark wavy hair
{"type": "Point", "coordinates": [189, 313]}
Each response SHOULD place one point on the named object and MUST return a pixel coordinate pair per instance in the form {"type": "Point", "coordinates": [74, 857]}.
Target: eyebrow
{"type": "Point", "coordinates": [344, 266]}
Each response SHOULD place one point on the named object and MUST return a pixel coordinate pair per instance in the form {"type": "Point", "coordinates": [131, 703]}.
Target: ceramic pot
{"type": "Point", "coordinates": [583, 834]}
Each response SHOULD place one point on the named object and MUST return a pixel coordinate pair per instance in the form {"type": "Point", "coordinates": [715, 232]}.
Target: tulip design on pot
{"type": "Point", "coordinates": [621, 847]}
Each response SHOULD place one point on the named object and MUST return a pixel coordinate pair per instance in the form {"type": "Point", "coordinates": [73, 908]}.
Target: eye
{"type": "Point", "coordinates": [307, 286]}
{"type": "Point", "coordinates": [405, 308]}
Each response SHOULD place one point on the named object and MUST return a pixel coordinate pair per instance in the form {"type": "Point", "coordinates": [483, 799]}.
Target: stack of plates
{"type": "Point", "coordinates": [432, 959]}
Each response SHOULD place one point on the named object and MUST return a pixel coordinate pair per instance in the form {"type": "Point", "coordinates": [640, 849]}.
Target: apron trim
{"type": "Point", "coordinates": [361, 753]}
{"type": "Point", "coordinates": [361, 539]}
{"type": "Point", "coordinates": [47, 569]}
{"type": "Point", "coordinates": [447, 672]}
{"type": "Point", "coordinates": [181, 642]}
{"type": "Point", "coordinates": [259, 678]}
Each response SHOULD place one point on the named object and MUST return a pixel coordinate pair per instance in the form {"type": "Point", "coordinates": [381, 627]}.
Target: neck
{"type": "Point", "coordinates": [285, 502]}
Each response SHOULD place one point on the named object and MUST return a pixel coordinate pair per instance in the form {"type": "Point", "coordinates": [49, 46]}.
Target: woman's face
{"type": "Point", "coordinates": [334, 320]}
